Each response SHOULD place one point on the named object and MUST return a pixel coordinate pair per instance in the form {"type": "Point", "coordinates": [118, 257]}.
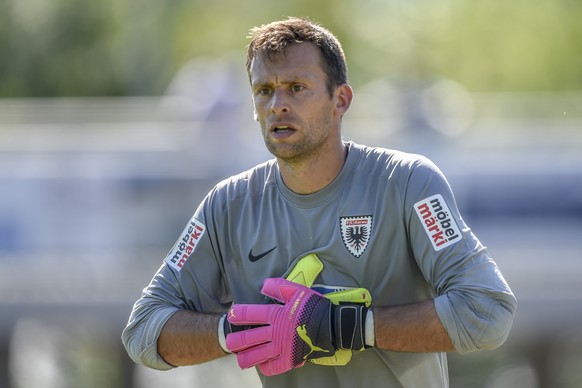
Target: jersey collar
{"type": "Point", "coordinates": [329, 192]}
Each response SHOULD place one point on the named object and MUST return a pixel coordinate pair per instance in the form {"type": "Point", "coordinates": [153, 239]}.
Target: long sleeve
{"type": "Point", "coordinates": [148, 316]}
{"type": "Point", "coordinates": [472, 299]}
{"type": "Point", "coordinates": [190, 278]}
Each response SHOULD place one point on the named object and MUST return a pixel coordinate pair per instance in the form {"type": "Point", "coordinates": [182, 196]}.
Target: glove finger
{"type": "Point", "coordinates": [281, 289]}
{"type": "Point", "coordinates": [256, 355]}
{"type": "Point", "coordinates": [276, 366]}
{"type": "Point", "coordinates": [243, 340]}
{"type": "Point", "coordinates": [306, 270]}
{"type": "Point", "coordinates": [251, 314]}
{"type": "Point", "coordinates": [354, 295]}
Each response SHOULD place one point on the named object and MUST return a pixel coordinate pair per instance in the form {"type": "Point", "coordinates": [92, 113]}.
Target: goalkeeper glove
{"type": "Point", "coordinates": [306, 326]}
{"type": "Point", "coordinates": [225, 328]}
{"type": "Point", "coordinates": [305, 272]}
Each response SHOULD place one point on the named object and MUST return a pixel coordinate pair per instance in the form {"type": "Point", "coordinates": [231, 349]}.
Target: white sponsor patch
{"type": "Point", "coordinates": [439, 225]}
{"type": "Point", "coordinates": [185, 245]}
{"type": "Point", "coordinates": [356, 232]}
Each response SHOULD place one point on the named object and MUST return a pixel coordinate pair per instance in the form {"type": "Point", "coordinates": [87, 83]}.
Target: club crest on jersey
{"type": "Point", "coordinates": [436, 219]}
{"type": "Point", "coordinates": [356, 232]}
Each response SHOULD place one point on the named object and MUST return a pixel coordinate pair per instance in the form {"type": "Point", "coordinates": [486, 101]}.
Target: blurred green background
{"type": "Point", "coordinates": [117, 117]}
{"type": "Point", "coordinates": [133, 48]}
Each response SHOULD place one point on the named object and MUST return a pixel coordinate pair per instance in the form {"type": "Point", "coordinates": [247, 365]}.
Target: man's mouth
{"type": "Point", "coordinates": [282, 131]}
{"type": "Point", "coordinates": [280, 128]}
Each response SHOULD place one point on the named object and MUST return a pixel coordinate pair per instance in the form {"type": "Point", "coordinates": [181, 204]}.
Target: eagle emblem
{"type": "Point", "coordinates": [356, 232]}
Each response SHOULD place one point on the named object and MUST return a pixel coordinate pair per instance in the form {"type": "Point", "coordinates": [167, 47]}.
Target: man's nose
{"type": "Point", "coordinates": [280, 102]}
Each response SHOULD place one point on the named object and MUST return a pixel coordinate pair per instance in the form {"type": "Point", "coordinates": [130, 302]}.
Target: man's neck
{"type": "Point", "coordinates": [316, 172]}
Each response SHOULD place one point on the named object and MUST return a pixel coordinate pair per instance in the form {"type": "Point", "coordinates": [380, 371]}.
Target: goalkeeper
{"type": "Point", "coordinates": [401, 278]}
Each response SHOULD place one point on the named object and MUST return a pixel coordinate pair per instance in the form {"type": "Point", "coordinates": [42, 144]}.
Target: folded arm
{"type": "Point", "coordinates": [410, 328]}
{"type": "Point", "coordinates": [462, 320]}
{"type": "Point", "coordinates": [189, 338]}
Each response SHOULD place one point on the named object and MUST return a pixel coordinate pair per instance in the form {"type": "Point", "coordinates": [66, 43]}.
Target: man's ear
{"type": "Point", "coordinates": [344, 97]}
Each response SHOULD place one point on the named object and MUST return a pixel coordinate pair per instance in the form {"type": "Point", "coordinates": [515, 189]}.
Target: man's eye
{"type": "Point", "coordinates": [297, 88]}
{"type": "Point", "coordinates": [263, 91]}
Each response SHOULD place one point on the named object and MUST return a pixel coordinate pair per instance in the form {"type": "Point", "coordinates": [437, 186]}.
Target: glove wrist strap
{"type": "Point", "coordinates": [369, 329]}
{"type": "Point", "coordinates": [222, 334]}
{"type": "Point", "coordinates": [350, 323]}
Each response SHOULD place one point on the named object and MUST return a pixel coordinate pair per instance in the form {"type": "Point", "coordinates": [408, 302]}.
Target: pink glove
{"type": "Point", "coordinates": [295, 332]}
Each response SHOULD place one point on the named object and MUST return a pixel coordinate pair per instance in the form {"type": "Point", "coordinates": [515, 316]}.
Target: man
{"type": "Point", "coordinates": [381, 222]}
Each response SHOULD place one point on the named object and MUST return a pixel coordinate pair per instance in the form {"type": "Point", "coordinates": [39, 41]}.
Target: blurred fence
{"type": "Point", "coordinates": [95, 191]}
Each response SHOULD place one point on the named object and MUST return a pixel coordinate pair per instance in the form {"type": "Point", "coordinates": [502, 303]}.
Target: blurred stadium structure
{"type": "Point", "coordinates": [95, 191]}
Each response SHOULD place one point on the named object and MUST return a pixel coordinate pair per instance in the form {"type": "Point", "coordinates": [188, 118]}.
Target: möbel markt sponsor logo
{"type": "Point", "coordinates": [185, 245]}
{"type": "Point", "coordinates": [439, 225]}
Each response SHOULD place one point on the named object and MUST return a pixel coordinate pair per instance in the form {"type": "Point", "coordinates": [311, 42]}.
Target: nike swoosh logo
{"type": "Point", "coordinates": [254, 258]}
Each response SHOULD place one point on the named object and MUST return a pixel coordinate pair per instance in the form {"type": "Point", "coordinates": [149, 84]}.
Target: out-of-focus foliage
{"type": "Point", "coordinates": [130, 47]}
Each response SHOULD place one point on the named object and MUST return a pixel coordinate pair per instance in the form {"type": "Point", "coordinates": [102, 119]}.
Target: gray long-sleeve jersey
{"type": "Point", "coordinates": [388, 223]}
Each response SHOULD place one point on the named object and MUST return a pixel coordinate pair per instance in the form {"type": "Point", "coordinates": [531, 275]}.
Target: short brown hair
{"type": "Point", "coordinates": [273, 38]}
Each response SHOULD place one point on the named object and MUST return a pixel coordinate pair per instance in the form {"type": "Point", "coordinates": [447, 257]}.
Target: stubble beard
{"type": "Point", "coordinates": [306, 149]}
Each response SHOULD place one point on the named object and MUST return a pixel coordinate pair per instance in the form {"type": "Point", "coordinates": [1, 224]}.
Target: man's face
{"type": "Point", "coordinates": [298, 117]}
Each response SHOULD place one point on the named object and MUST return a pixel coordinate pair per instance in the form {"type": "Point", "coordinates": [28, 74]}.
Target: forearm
{"type": "Point", "coordinates": [410, 328]}
{"type": "Point", "coordinates": [189, 338]}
